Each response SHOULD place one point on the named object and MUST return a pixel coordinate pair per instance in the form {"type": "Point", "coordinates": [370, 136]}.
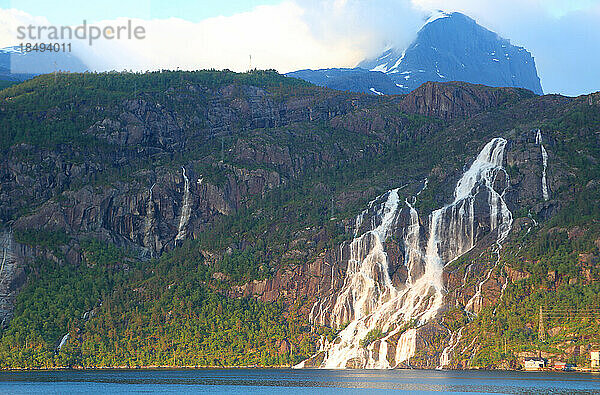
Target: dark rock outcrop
{"type": "Point", "coordinates": [455, 99]}
{"type": "Point", "coordinates": [12, 274]}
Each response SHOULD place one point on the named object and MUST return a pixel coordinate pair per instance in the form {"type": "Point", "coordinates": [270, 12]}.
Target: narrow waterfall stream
{"type": "Point", "coordinates": [370, 303]}
{"type": "Point", "coordinates": [3, 260]}
{"type": "Point", "coordinates": [186, 209]}
{"type": "Point", "coordinates": [538, 140]}
{"type": "Point", "coordinates": [63, 341]}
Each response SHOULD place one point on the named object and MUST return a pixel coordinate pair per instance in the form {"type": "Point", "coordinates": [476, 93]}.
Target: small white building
{"type": "Point", "coordinates": [595, 359]}
{"type": "Point", "coordinates": [534, 364]}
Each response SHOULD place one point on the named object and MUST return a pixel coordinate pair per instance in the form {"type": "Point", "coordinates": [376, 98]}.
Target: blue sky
{"type": "Point", "coordinates": [65, 12]}
{"type": "Point", "coordinates": [74, 11]}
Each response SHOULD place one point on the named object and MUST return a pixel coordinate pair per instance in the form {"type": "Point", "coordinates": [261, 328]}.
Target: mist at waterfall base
{"type": "Point", "coordinates": [369, 301]}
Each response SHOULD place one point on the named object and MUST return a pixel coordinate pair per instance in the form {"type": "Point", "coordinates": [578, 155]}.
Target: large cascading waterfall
{"type": "Point", "coordinates": [370, 304]}
{"type": "Point", "coordinates": [186, 209]}
{"type": "Point", "coordinates": [538, 140]}
{"type": "Point", "coordinates": [500, 218]}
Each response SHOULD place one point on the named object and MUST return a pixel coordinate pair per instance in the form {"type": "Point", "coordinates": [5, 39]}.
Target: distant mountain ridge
{"type": "Point", "coordinates": [18, 65]}
{"type": "Point", "coordinates": [355, 80]}
{"type": "Point", "coordinates": [449, 47]}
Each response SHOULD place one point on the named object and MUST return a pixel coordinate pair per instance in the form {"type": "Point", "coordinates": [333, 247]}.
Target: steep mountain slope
{"type": "Point", "coordinates": [214, 218]}
{"type": "Point", "coordinates": [453, 47]}
{"type": "Point", "coordinates": [449, 47]}
{"type": "Point", "coordinates": [354, 80]}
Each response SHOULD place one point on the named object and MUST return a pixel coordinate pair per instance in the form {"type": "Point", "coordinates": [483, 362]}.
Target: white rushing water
{"type": "Point", "coordinates": [369, 301]}
{"type": "Point", "coordinates": [3, 260]}
{"type": "Point", "coordinates": [7, 248]}
{"type": "Point", "coordinates": [454, 341]}
{"type": "Point", "coordinates": [500, 218]}
{"type": "Point", "coordinates": [63, 341]}
{"type": "Point", "coordinates": [186, 209]}
{"type": "Point", "coordinates": [538, 140]}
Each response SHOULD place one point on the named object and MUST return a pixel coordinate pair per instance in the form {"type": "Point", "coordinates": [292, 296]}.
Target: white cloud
{"type": "Point", "coordinates": [368, 25]}
{"type": "Point", "coordinates": [12, 18]}
{"type": "Point", "coordinates": [276, 36]}
{"type": "Point", "coordinates": [292, 35]}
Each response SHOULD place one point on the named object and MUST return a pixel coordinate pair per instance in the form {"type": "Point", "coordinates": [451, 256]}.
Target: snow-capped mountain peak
{"type": "Point", "coordinates": [453, 47]}
{"type": "Point", "coordinates": [439, 14]}
{"type": "Point", "coordinates": [449, 47]}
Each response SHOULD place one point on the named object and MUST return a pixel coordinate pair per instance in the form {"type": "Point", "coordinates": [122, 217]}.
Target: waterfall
{"type": "Point", "coordinates": [368, 299]}
{"type": "Point", "coordinates": [454, 340]}
{"type": "Point", "coordinates": [498, 212]}
{"type": "Point", "coordinates": [3, 260]}
{"type": "Point", "coordinates": [367, 260]}
{"type": "Point", "coordinates": [186, 210]}
{"type": "Point", "coordinates": [63, 341]}
{"type": "Point", "coordinates": [538, 140]}
{"type": "Point", "coordinates": [7, 249]}
{"type": "Point", "coordinates": [88, 315]}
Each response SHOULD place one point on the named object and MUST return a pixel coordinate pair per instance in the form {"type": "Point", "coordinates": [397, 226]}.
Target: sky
{"type": "Point", "coordinates": [562, 35]}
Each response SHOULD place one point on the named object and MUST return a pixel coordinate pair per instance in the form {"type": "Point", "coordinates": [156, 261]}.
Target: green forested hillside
{"type": "Point", "coordinates": [93, 192]}
{"type": "Point", "coordinates": [163, 313]}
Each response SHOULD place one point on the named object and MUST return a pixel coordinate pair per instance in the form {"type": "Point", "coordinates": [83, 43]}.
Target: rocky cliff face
{"type": "Point", "coordinates": [455, 99]}
{"type": "Point", "coordinates": [56, 182]}
{"type": "Point", "coordinates": [144, 210]}
{"type": "Point", "coordinates": [135, 215]}
{"type": "Point", "coordinates": [12, 275]}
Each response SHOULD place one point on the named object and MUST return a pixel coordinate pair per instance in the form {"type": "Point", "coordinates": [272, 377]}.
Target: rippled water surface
{"type": "Point", "coordinates": [270, 381]}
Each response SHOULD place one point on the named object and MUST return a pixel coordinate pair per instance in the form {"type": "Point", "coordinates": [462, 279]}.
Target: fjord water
{"type": "Point", "coordinates": [243, 381]}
